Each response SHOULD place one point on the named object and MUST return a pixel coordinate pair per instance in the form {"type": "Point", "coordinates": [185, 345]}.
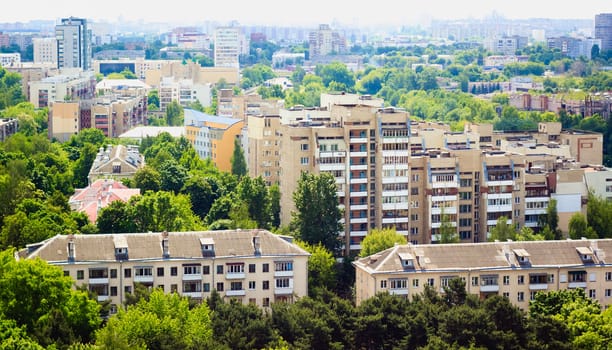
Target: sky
{"type": "Point", "coordinates": [304, 12]}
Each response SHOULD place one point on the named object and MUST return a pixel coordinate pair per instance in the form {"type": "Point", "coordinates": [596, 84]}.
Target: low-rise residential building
{"type": "Point", "coordinates": [116, 162]}
{"type": "Point", "coordinates": [69, 86]}
{"type": "Point", "coordinates": [10, 59]}
{"type": "Point", "coordinates": [8, 126]}
{"type": "Point", "coordinates": [252, 266]}
{"type": "Point", "coordinates": [515, 270]}
{"type": "Point", "coordinates": [102, 192]}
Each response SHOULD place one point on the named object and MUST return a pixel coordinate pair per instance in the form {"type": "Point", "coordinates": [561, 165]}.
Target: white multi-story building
{"type": "Point", "coordinates": [252, 266]}
{"type": "Point", "coordinates": [73, 43]}
{"type": "Point", "coordinates": [45, 51]}
{"type": "Point", "coordinates": [10, 59]}
{"type": "Point", "coordinates": [230, 43]}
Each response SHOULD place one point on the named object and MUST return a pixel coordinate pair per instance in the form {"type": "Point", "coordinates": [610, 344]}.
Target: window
{"type": "Point", "coordinates": [506, 280]}
{"type": "Point", "coordinates": [160, 271]}
{"type": "Point", "coordinates": [465, 208]}
{"type": "Point", "coordinates": [251, 268]}
{"type": "Point", "coordinates": [398, 283]}
{"type": "Point", "coordinates": [474, 281]}
{"type": "Point", "coordinates": [465, 182]}
{"type": "Point", "coordinates": [415, 282]}
{"type": "Point", "coordinates": [265, 267]}
{"type": "Point", "coordinates": [608, 293]}
{"type": "Point", "coordinates": [66, 273]}
{"type": "Point", "coordinates": [127, 273]}
{"type": "Point", "coordinates": [465, 222]}
{"type": "Point", "coordinates": [236, 285]}
{"type": "Point", "coordinates": [265, 285]}
{"type": "Point", "coordinates": [235, 268]}
{"type": "Point", "coordinates": [173, 288]}
{"type": "Point", "coordinates": [173, 271]}
{"type": "Point", "coordinates": [383, 284]}
{"type": "Point", "coordinates": [304, 160]}
{"type": "Point", "coordinates": [414, 191]}
{"type": "Point", "coordinates": [252, 285]}
{"type": "Point", "coordinates": [520, 296]}
{"type": "Point", "coordinates": [113, 273]}
{"type": "Point", "coordinates": [283, 266]}
{"type": "Point", "coordinates": [191, 269]}
{"type": "Point", "coordinates": [532, 295]}
{"type": "Point", "coordinates": [265, 302]}
{"type": "Point", "coordinates": [220, 286]}
{"type": "Point", "coordinates": [192, 287]}
{"type": "Point", "coordinates": [430, 282]}
{"type": "Point", "coordinates": [609, 276]}
{"type": "Point", "coordinates": [206, 270]}
{"type": "Point", "coordinates": [445, 280]}
{"type": "Point", "coordinates": [127, 289]}
{"type": "Point", "coordinates": [414, 217]}
{"type": "Point", "coordinates": [488, 280]}
{"type": "Point", "coordinates": [592, 293]}
{"type": "Point", "coordinates": [283, 283]}
{"type": "Point", "coordinates": [521, 279]}
{"type": "Point", "coordinates": [506, 294]}
{"type": "Point", "coordinates": [143, 271]}
{"type": "Point", "coordinates": [415, 177]}
{"type": "Point", "coordinates": [81, 274]}
{"type": "Point", "coordinates": [304, 147]}
{"type": "Point", "coordinates": [113, 291]}
{"type": "Point", "coordinates": [219, 269]}
{"type": "Point", "coordinates": [465, 234]}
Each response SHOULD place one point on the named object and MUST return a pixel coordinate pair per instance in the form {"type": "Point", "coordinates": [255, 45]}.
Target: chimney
{"type": "Point", "coordinates": [257, 244]}
{"type": "Point", "coordinates": [165, 249]}
{"type": "Point", "coordinates": [71, 248]}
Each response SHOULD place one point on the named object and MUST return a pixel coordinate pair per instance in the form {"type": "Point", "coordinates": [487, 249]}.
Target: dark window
{"type": "Point", "coordinates": [219, 269]}
{"type": "Point", "coordinates": [80, 274]}
{"type": "Point", "coordinates": [66, 273]}
{"type": "Point", "coordinates": [206, 270]}
{"type": "Point", "coordinates": [251, 268]}
{"type": "Point", "coordinates": [220, 286]}
{"type": "Point", "coordinates": [113, 273]}
{"type": "Point", "coordinates": [128, 289]}
{"type": "Point", "coordinates": [113, 291]}
{"type": "Point", "coordinates": [160, 271]}
{"type": "Point", "coordinates": [266, 285]}
{"type": "Point", "coordinates": [173, 271]}
{"type": "Point", "coordinates": [127, 273]}
{"type": "Point", "coordinates": [207, 287]}
{"type": "Point", "coordinates": [266, 267]}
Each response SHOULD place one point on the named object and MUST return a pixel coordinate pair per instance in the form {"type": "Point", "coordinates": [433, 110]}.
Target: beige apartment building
{"type": "Point", "coordinates": [515, 270]}
{"type": "Point", "coordinates": [415, 176]}
{"type": "Point", "coordinates": [252, 266]}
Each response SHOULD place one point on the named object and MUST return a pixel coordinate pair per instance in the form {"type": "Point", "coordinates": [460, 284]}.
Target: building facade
{"type": "Point", "coordinates": [603, 30]}
{"type": "Point", "coordinates": [230, 43]}
{"type": "Point", "coordinates": [10, 59]}
{"type": "Point", "coordinates": [45, 51]}
{"type": "Point", "coordinates": [515, 270]}
{"type": "Point", "coordinates": [71, 86]}
{"type": "Point", "coordinates": [252, 266]}
{"type": "Point", "coordinates": [418, 177]}
{"type": "Point", "coordinates": [116, 163]}
{"type": "Point", "coordinates": [73, 43]}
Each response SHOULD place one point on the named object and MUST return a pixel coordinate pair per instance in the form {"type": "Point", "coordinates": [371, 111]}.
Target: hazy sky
{"type": "Point", "coordinates": [287, 12]}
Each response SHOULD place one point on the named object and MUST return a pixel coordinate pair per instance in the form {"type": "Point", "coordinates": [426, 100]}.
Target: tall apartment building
{"type": "Point", "coordinates": [230, 43]}
{"type": "Point", "coordinates": [573, 47]}
{"type": "Point", "coordinates": [45, 51]}
{"type": "Point", "coordinates": [183, 91]}
{"type": "Point", "coordinates": [73, 43]}
{"type": "Point", "coordinates": [515, 270]}
{"type": "Point", "coordinates": [325, 41]}
{"type": "Point", "coordinates": [418, 177]}
{"type": "Point", "coordinates": [603, 30]}
{"type": "Point", "coordinates": [251, 266]}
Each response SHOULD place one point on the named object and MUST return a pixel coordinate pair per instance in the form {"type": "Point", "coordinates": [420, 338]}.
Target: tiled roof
{"type": "Point", "coordinates": [491, 255]}
{"type": "Point", "coordinates": [100, 194]}
{"type": "Point", "coordinates": [147, 246]}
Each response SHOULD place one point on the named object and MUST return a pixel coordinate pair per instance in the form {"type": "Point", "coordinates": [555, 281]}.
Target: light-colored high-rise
{"type": "Point", "coordinates": [73, 43]}
{"type": "Point", "coordinates": [230, 43]}
{"type": "Point", "coordinates": [45, 51]}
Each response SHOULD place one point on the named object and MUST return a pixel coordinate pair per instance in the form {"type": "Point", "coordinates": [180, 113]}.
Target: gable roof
{"type": "Point", "coordinates": [98, 195]}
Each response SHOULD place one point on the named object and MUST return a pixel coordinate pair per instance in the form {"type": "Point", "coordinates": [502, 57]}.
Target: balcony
{"type": "Point", "coordinates": [443, 198]}
{"type": "Point", "coordinates": [358, 220]}
{"type": "Point", "coordinates": [359, 207]}
{"type": "Point", "coordinates": [144, 279]}
{"type": "Point", "coordinates": [398, 291]}
{"type": "Point", "coordinates": [192, 294]}
{"type": "Point", "coordinates": [447, 210]}
{"type": "Point", "coordinates": [499, 196]}
{"type": "Point", "coordinates": [355, 246]}
{"type": "Point", "coordinates": [358, 153]}
{"type": "Point", "coordinates": [490, 288]}
{"type": "Point", "coordinates": [358, 167]}
{"type": "Point", "coordinates": [538, 286]}
{"type": "Point", "coordinates": [359, 194]}
{"type": "Point", "coordinates": [359, 180]}
{"type": "Point", "coordinates": [439, 224]}
{"type": "Point", "coordinates": [103, 280]}
{"type": "Point", "coordinates": [103, 298]}
{"type": "Point", "coordinates": [499, 183]}
{"type": "Point", "coordinates": [394, 180]}
{"type": "Point", "coordinates": [572, 285]}
{"type": "Point", "coordinates": [358, 233]}
{"type": "Point", "coordinates": [396, 153]}
{"type": "Point", "coordinates": [401, 193]}
{"type": "Point", "coordinates": [404, 139]}
{"type": "Point", "coordinates": [283, 291]}
{"type": "Point", "coordinates": [327, 154]}
{"type": "Point", "coordinates": [331, 166]}
{"type": "Point", "coordinates": [192, 277]}
{"type": "Point", "coordinates": [235, 276]}
{"type": "Point", "coordinates": [396, 220]}
{"type": "Point", "coordinates": [494, 222]}
{"type": "Point", "coordinates": [353, 139]}
{"type": "Point", "coordinates": [396, 206]}
{"type": "Point", "coordinates": [499, 208]}
{"type": "Point", "coordinates": [283, 273]}
{"type": "Point", "coordinates": [235, 293]}
{"type": "Point", "coordinates": [395, 166]}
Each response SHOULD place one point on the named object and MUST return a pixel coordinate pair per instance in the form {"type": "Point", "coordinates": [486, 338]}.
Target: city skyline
{"type": "Point", "coordinates": [279, 13]}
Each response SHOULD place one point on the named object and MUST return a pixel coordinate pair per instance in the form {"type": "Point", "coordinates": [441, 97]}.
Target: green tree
{"type": "Point", "coordinates": [39, 298]}
{"type": "Point", "coordinates": [275, 196]}
{"type": "Point", "coordinates": [317, 216]}
{"type": "Point", "coordinates": [238, 162]}
{"type": "Point", "coordinates": [579, 228]}
{"type": "Point", "coordinates": [378, 240]}
{"type": "Point", "coordinates": [164, 321]}
{"type": "Point", "coordinates": [254, 193]}
{"type": "Point", "coordinates": [321, 267]}
{"type": "Point", "coordinates": [82, 166]}
{"type": "Point", "coordinates": [174, 114]}
{"type": "Point", "coordinates": [117, 217]}
{"type": "Point", "coordinates": [552, 219]}
{"type": "Point", "coordinates": [153, 98]}
{"type": "Point", "coordinates": [202, 191]}
{"type": "Point", "coordinates": [147, 179]}
{"type": "Point", "coordinates": [502, 231]}
{"type": "Point", "coordinates": [448, 233]}
{"type": "Point", "coordinates": [599, 215]}
{"type": "Point", "coordinates": [336, 72]}
{"type": "Point", "coordinates": [163, 211]}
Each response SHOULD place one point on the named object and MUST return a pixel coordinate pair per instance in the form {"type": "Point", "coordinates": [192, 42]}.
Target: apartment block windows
{"type": "Point", "coordinates": [609, 276]}
{"type": "Point", "coordinates": [304, 147]}
{"type": "Point", "coordinates": [520, 296]}
{"type": "Point", "coordinates": [265, 285]}
{"type": "Point", "coordinates": [220, 286]}
{"type": "Point", "coordinates": [252, 268]}
{"type": "Point", "coordinates": [80, 274]}
{"type": "Point", "coordinates": [173, 271]}
{"type": "Point", "coordinates": [383, 284]}
{"type": "Point", "coordinates": [219, 269]}
{"type": "Point", "coordinates": [283, 266]}
{"type": "Point", "coordinates": [304, 160]}
{"type": "Point", "coordinates": [415, 282]}
{"type": "Point", "coordinates": [521, 279]}
{"type": "Point", "coordinates": [506, 280]}
{"type": "Point", "coordinates": [266, 267]}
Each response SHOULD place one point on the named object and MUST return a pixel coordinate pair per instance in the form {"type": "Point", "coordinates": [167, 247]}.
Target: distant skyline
{"type": "Point", "coordinates": [299, 13]}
